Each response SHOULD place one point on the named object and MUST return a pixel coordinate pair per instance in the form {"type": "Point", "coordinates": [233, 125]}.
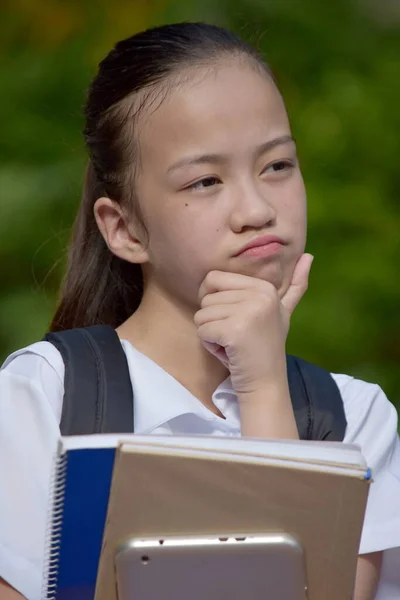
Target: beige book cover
{"type": "Point", "coordinates": [178, 492]}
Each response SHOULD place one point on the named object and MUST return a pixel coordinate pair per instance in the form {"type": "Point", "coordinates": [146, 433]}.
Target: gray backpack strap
{"type": "Point", "coordinates": [316, 400]}
{"type": "Point", "coordinates": [98, 396]}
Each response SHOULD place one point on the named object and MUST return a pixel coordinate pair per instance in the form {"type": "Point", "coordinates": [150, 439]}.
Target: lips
{"type": "Point", "coordinates": [263, 240]}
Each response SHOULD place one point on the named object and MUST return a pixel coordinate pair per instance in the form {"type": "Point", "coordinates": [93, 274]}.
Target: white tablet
{"type": "Point", "coordinates": [235, 567]}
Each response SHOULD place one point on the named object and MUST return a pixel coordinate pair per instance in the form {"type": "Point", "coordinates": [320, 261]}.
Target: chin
{"type": "Point", "coordinates": [269, 272]}
{"type": "Point", "coordinates": [279, 284]}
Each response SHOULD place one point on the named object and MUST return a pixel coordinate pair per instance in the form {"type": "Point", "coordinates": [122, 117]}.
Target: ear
{"type": "Point", "coordinates": [118, 233]}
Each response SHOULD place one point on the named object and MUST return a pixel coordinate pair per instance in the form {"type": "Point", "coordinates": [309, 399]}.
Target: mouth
{"type": "Point", "coordinates": [266, 245]}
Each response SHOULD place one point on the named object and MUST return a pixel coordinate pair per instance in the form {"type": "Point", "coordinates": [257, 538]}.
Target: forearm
{"type": "Point", "coordinates": [9, 593]}
{"type": "Point", "coordinates": [367, 576]}
{"type": "Point", "coordinates": [268, 412]}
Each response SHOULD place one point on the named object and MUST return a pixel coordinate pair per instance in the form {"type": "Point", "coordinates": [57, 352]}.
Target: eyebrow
{"type": "Point", "coordinates": [223, 158]}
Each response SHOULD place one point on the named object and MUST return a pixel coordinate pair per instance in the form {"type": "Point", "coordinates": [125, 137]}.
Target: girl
{"type": "Point", "coordinates": [191, 160]}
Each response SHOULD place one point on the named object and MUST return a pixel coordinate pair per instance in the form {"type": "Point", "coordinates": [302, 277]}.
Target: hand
{"type": "Point", "coordinates": [244, 323]}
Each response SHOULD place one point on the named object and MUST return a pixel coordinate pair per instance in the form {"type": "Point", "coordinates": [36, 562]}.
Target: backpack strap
{"type": "Point", "coordinates": [98, 396]}
{"type": "Point", "coordinates": [316, 400]}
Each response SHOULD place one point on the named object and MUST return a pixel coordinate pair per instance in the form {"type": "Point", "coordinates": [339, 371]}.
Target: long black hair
{"type": "Point", "coordinates": [99, 287]}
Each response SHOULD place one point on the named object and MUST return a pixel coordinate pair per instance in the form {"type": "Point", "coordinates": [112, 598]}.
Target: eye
{"type": "Point", "coordinates": [204, 183]}
{"type": "Point", "coordinates": [279, 166]}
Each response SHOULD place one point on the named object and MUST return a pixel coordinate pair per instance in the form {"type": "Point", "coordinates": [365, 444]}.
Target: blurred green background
{"type": "Point", "coordinates": [338, 67]}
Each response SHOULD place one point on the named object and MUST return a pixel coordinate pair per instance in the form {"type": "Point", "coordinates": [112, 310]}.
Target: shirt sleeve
{"type": "Point", "coordinates": [31, 395]}
{"type": "Point", "coordinates": [372, 424]}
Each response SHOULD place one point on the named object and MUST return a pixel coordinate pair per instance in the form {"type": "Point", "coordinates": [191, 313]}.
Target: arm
{"type": "Point", "coordinates": [27, 420]}
{"type": "Point", "coordinates": [9, 593]}
{"type": "Point", "coordinates": [367, 575]}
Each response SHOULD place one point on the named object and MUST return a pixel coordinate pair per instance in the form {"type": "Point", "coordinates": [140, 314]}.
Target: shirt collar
{"type": "Point", "coordinates": [159, 397]}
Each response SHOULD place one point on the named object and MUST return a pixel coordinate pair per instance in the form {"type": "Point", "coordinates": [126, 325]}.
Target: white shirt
{"type": "Point", "coordinates": [31, 394]}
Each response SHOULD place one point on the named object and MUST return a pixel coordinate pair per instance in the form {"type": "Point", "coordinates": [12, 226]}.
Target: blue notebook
{"type": "Point", "coordinates": [82, 490]}
{"type": "Point", "coordinates": [82, 483]}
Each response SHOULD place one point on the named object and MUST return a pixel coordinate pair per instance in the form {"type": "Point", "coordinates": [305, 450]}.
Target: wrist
{"type": "Point", "coordinates": [265, 391]}
{"type": "Point", "coordinates": [267, 412]}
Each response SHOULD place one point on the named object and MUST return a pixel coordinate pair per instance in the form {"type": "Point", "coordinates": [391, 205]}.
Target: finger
{"type": "Point", "coordinates": [209, 314]}
{"type": "Point", "coordinates": [299, 283]}
{"type": "Point", "coordinates": [226, 297]}
{"type": "Point", "coordinates": [218, 351]}
{"type": "Point", "coordinates": [215, 333]}
{"type": "Point", "coordinates": [219, 281]}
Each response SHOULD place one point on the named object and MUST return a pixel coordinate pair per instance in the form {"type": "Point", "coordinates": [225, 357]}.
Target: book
{"type": "Point", "coordinates": [107, 488]}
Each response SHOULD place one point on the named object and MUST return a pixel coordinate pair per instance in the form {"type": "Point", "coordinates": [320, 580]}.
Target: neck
{"type": "Point", "coordinates": [165, 332]}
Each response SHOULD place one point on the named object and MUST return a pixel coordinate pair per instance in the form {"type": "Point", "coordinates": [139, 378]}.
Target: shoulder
{"type": "Point", "coordinates": [371, 417]}
{"type": "Point", "coordinates": [372, 424]}
{"type": "Point", "coordinates": [38, 369]}
{"type": "Point", "coordinates": [31, 393]}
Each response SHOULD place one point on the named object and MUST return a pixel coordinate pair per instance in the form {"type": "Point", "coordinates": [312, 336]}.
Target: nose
{"type": "Point", "coordinates": [251, 208]}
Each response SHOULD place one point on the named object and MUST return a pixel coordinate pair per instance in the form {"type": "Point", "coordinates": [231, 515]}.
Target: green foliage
{"type": "Point", "coordinates": [337, 65]}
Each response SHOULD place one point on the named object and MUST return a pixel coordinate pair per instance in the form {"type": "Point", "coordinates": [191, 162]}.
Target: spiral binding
{"type": "Point", "coordinates": [54, 529]}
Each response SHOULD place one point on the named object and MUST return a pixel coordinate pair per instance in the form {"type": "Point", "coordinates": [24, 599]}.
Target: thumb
{"type": "Point", "coordinates": [299, 283]}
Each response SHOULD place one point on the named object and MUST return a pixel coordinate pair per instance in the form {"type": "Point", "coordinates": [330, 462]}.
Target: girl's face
{"type": "Point", "coordinates": [218, 169]}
